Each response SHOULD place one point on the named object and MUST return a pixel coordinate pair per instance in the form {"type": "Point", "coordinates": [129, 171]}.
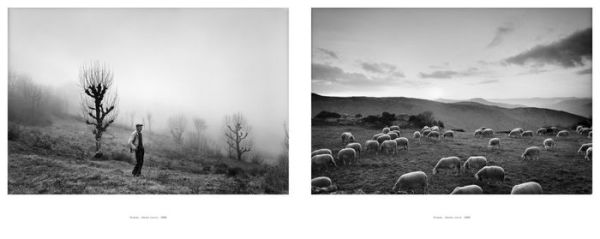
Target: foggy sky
{"type": "Point", "coordinates": [200, 62]}
{"type": "Point", "coordinates": [452, 53]}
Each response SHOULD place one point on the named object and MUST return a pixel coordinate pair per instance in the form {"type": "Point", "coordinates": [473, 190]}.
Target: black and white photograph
{"type": "Point", "coordinates": [148, 101]}
{"type": "Point", "coordinates": [451, 101]}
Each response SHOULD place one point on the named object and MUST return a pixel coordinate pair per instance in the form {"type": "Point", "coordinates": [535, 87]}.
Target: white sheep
{"type": "Point", "coordinates": [412, 181]}
{"type": "Point", "coordinates": [425, 128]}
{"type": "Point", "coordinates": [527, 133]}
{"type": "Point", "coordinates": [402, 143]}
{"type": "Point", "coordinates": [396, 131]}
{"type": "Point", "coordinates": [475, 163]}
{"type": "Point", "coordinates": [435, 128]}
{"type": "Point", "coordinates": [478, 133]}
{"type": "Point", "coordinates": [542, 131]}
{"type": "Point", "coordinates": [487, 133]}
{"type": "Point", "coordinates": [382, 138]}
{"type": "Point", "coordinates": [451, 163]}
{"type": "Point", "coordinates": [385, 130]}
{"type": "Point", "coordinates": [426, 132]}
{"type": "Point", "coordinates": [514, 134]}
{"type": "Point", "coordinates": [518, 129]}
{"type": "Point", "coordinates": [356, 146]}
{"type": "Point", "coordinates": [590, 134]}
{"type": "Point", "coordinates": [583, 148]}
{"type": "Point", "coordinates": [347, 155]}
{"type": "Point", "coordinates": [588, 154]}
{"type": "Point", "coordinates": [394, 128]}
{"type": "Point", "coordinates": [554, 129]}
{"type": "Point", "coordinates": [585, 131]}
{"type": "Point", "coordinates": [549, 144]}
{"type": "Point", "coordinates": [377, 136]}
{"type": "Point", "coordinates": [449, 134]}
{"type": "Point", "coordinates": [434, 134]}
{"type": "Point", "coordinates": [469, 189]}
{"type": "Point", "coordinates": [389, 147]}
{"type": "Point", "coordinates": [372, 146]}
{"type": "Point", "coordinates": [527, 188]}
{"type": "Point", "coordinates": [562, 133]}
{"type": "Point", "coordinates": [494, 143]}
{"type": "Point", "coordinates": [490, 173]}
{"type": "Point", "coordinates": [321, 182]}
{"type": "Point", "coordinates": [323, 160]}
{"type": "Point", "coordinates": [347, 137]}
{"type": "Point", "coordinates": [321, 151]}
{"type": "Point", "coordinates": [532, 152]}
{"type": "Point", "coordinates": [393, 135]}
{"type": "Point", "coordinates": [578, 129]}
{"type": "Point", "coordinates": [417, 135]}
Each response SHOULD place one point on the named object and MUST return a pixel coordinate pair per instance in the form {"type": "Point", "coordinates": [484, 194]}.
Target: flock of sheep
{"type": "Point", "coordinates": [389, 141]}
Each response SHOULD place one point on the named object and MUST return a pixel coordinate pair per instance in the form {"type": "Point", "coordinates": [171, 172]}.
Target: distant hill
{"type": "Point", "coordinates": [578, 106]}
{"type": "Point", "coordinates": [483, 102]}
{"type": "Point", "coordinates": [465, 115]}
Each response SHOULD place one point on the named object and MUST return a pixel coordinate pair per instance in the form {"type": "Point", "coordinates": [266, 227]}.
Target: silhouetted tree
{"type": "Point", "coordinates": [99, 104]}
{"type": "Point", "coordinates": [177, 125]}
{"type": "Point", "coordinates": [236, 134]}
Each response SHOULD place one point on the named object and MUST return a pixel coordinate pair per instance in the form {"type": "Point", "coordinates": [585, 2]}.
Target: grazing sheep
{"type": "Point", "coordinates": [494, 143]}
{"type": "Point", "coordinates": [347, 155]}
{"type": "Point", "coordinates": [356, 146]}
{"type": "Point", "coordinates": [434, 134]}
{"type": "Point", "coordinates": [469, 189]}
{"type": "Point", "coordinates": [435, 128]}
{"type": "Point", "coordinates": [426, 132]}
{"type": "Point", "coordinates": [411, 181]}
{"type": "Point", "coordinates": [562, 133]}
{"type": "Point", "coordinates": [347, 137]}
{"type": "Point", "coordinates": [321, 151]}
{"type": "Point", "coordinates": [393, 135]}
{"type": "Point", "coordinates": [487, 133]}
{"type": "Point", "coordinates": [377, 136]}
{"type": "Point", "coordinates": [527, 188]}
{"type": "Point", "coordinates": [532, 152]}
{"type": "Point", "coordinates": [588, 154]}
{"type": "Point", "coordinates": [402, 143]}
{"type": "Point", "coordinates": [396, 131]}
{"type": "Point", "coordinates": [584, 148]}
{"type": "Point", "coordinates": [527, 133]}
{"type": "Point", "coordinates": [395, 127]}
{"type": "Point", "coordinates": [518, 129]}
{"type": "Point", "coordinates": [549, 144]}
{"type": "Point", "coordinates": [585, 131]}
{"type": "Point", "coordinates": [323, 160]}
{"type": "Point", "coordinates": [382, 138]}
{"type": "Point", "coordinates": [490, 173]}
{"type": "Point", "coordinates": [372, 146]}
{"type": "Point", "coordinates": [389, 147]}
{"type": "Point", "coordinates": [514, 134]}
{"type": "Point", "coordinates": [425, 128]}
{"type": "Point", "coordinates": [542, 131]}
{"type": "Point", "coordinates": [478, 133]}
{"type": "Point", "coordinates": [385, 130]}
{"type": "Point", "coordinates": [417, 135]}
{"type": "Point", "coordinates": [321, 182]}
{"type": "Point", "coordinates": [578, 129]}
{"type": "Point", "coordinates": [475, 163]}
{"type": "Point", "coordinates": [590, 134]}
{"type": "Point", "coordinates": [447, 163]}
{"type": "Point", "coordinates": [449, 134]}
{"type": "Point", "coordinates": [554, 129]}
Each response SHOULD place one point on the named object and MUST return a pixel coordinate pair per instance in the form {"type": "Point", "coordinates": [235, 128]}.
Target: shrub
{"type": "Point", "coordinates": [235, 171]}
{"type": "Point", "coordinates": [327, 114]}
{"type": "Point", "coordinates": [220, 168]}
{"type": "Point", "coordinates": [14, 131]}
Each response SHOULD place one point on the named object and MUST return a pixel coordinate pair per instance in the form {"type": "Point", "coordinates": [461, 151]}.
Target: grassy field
{"type": "Point", "coordinates": [58, 159]}
{"type": "Point", "coordinates": [561, 171]}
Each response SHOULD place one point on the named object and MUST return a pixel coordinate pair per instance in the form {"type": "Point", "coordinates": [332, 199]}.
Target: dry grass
{"type": "Point", "coordinates": [561, 171]}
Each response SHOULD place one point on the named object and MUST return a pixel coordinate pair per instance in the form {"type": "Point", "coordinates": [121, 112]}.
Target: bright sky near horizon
{"type": "Point", "coordinates": [452, 53]}
{"type": "Point", "coordinates": [200, 62]}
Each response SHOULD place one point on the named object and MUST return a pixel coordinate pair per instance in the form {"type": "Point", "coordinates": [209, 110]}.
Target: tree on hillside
{"type": "Point", "coordinates": [98, 100]}
{"type": "Point", "coordinates": [236, 135]}
{"type": "Point", "coordinates": [33, 94]}
{"type": "Point", "coordinates": [177, 125]}
{"type": "Point", "coordinates": [198, 141]}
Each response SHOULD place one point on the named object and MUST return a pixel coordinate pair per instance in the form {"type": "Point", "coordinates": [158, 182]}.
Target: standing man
{"type": "Point", "coordinates": [136, 144]}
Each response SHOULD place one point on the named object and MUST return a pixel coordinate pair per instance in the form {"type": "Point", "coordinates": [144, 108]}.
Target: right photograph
{"type": "Point", "coordinates": [451, 101]}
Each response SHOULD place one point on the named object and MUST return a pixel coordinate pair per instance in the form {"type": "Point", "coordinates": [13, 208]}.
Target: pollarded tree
{"type": "Point", "coordinates": [98, 100]}
{"type": "Point", "coordinates": [236, 135]}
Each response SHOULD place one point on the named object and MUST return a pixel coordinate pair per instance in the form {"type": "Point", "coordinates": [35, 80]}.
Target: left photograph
{"type": "Point", "coordinates": [148, 101]}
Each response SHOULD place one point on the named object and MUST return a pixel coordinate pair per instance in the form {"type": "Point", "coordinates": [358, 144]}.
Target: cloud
{"type": "Point", "coordinates": [380, 68]}
{"type": "Point", "coordinates": [328, 53]}
{"type": "Point", "coordinates": [568, 52]}
{"type": "Point", "coordinates": [323, 72]}
{"type": "Point", "coordinates": [501, 32]}
{"type": "Point", "coordinates": [439, 74]}
{"type": "Point", "coordinates": [587, 71]}
{"type": "Point", "coordinates": [486, 82]}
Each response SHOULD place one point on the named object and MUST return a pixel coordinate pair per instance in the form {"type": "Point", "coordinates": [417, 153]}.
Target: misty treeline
{"type": "Point", "coordinates": [382, 120]}
{"type": "Point", "coordinates": [30, 103]}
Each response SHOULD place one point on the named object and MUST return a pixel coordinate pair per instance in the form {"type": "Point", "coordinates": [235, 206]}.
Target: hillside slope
{"type": "Point", "coordinates": [465, 115]}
